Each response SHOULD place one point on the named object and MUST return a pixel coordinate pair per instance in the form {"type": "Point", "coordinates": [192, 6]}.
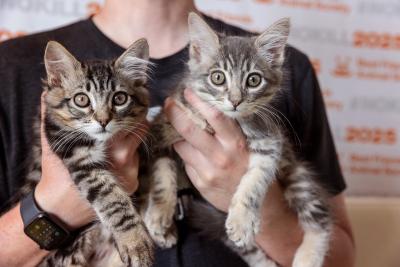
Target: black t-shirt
{"type": "Point", "coordinates": [21, 71]}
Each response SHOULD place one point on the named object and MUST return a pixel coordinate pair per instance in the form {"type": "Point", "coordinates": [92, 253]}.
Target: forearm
{"type": "Point", "coordinates": [342, 250]}
{"type": "Point", "coordinates": [280, 233]}
{"type": "Point", "coordinates": [17, 249]}
{"type": "Point", "coordinates": [282, 245]}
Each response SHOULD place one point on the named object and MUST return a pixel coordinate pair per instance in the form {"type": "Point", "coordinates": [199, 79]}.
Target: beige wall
{"type": "Point", "coordinates": [376, 225]}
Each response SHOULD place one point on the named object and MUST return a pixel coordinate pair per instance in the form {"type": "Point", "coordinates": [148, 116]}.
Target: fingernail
{"type": "Point", "coordinates": [176, 145]}
{"type": "Point", "coordinates": [187, 92]}
{"type": "Point", "coordinates": [168, 102]}
{"type": "Point", "coordinates": [190, 95]}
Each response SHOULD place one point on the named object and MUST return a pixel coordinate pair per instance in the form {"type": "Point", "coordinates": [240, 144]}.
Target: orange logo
{"type": "Point", "coordinates": [376, 40]}
{"type": "Point", "coordinates": [326, 92]}
{"type": "Point", "coordinates": [245, 19]}
{"type": "Point", "coordinates": [93, 8]}
{"type": "Point", "coordinates": [6, 34]}
{"type": "Point", "coordinates": [264, 1]}
{"type": "Point", "coordinates": [378, 69]}
{"type": "Point", "coordinates": [330, 102]}
{"type": "Point", "coordinates": [326, 6]}
{"type": "Point", "coordinates": [377, 136]}
{"type": "Point", "coordinates": [342, 68]}
{"type": "Point", "coordinates": [374, 164]}
{"type": "Point", "coordinates": [316, 63]}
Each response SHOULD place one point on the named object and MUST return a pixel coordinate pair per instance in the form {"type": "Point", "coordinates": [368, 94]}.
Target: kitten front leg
{"type": "Point", "coordinates": [252, 255]}
{"type": "Point", "coordinates": [243, 219]}
{"type": "Point", "coordinates": [115, 210]}
{"type": "Point", "coordinates": [159, 217]}
{"type": "Point", "coordinates": [309, 201]}
{"type": "Point", "coordinates": [78, 253]}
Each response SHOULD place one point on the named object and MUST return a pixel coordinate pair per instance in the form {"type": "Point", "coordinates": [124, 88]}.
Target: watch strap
{"type": "Point", "coordinates": [53, 236]}
{"type": "Point", "coordinates": [29, 208]}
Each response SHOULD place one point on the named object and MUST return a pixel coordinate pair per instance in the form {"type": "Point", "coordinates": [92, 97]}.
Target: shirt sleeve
{"type": "Point", "coordinates": [4, 194]}
{"type": "Point", "coordinates": [16, 100]}
{"type": "Point", "coordinates": [4, 188]}
{"type": "Point", "coordinates": [310, 129]}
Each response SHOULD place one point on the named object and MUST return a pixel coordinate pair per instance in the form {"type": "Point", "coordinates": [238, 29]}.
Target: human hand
{"type": "Point", "coordinates": [57, 194]}
{"type": "Point", "coordinates": [214, 163]}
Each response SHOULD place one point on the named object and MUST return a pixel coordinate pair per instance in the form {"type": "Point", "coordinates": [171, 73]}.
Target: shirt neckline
{"type": "Point", "coordinates": [102, 38]}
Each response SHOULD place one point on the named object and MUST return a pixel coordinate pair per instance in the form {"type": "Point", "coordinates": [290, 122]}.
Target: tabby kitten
{"type": "Point", "coordinates": [86, 105]}
{"type": "Point", "coordinates": [241, 76]}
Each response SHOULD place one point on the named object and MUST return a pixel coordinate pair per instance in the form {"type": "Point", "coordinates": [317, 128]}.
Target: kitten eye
{"type": "Point", "coordinates": [217, 77]}
{"type": "Point", "coordinates": [253, 80]}
{"type": "Point", "coordinates": [81, 100]}
{"type": "Point", "coordinates": [120, 98]}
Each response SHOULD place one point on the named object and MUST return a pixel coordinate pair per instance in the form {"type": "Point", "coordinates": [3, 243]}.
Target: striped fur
{"type": "Point", "coordinates": [78, 135]}
{"type": "Point", "coordinates": [271, 155]}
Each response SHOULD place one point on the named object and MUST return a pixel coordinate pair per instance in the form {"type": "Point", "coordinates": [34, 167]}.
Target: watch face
{"type": "Point", "coordinates": [46, 233]}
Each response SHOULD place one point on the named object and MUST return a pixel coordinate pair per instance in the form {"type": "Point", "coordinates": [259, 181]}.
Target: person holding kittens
{"type": "Point", "coordinates": [215, 171]}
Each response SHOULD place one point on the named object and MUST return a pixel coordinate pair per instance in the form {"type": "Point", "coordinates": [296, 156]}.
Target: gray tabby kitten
{"type": "Point", "coordinates": [86, 105]}
{"type": "Point", "coordinates": [240, 76]}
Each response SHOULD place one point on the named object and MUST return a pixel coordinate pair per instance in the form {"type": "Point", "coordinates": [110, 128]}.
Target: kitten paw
{"type": "Point", "coordinates": [135, 248]}
{"type": "Point", "coordinates": [165, 239]}
{"type": "Point", "coordinates": [308, 258]}
{"type": "Point", "coordinates": [161, 228]}
{"type": "Point", "coordinates": [241, 226]}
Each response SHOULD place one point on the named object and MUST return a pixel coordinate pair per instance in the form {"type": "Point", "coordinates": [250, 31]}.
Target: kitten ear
{"type": "Point", "coordinates": [133, 63]}
{"type": "Point", "coordinates": [61, 66]}
{"type": "Point", "coordinates": [204, 42]}
{"type": "Point", "coordinates": [272, 42]}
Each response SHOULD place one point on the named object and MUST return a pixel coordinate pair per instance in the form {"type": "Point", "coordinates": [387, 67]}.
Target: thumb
{"type": "Point", "coordinates": [43, 139]}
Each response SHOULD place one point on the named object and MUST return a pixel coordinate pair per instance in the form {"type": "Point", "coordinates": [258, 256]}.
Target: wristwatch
{"type": "Point", "coordinates": [40, 226]}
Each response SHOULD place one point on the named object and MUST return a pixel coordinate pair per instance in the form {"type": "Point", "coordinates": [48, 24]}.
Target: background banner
{"type": "Point", "coordinates": [354, 46]}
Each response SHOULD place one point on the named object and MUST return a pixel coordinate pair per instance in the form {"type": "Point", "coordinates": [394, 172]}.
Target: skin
{"type": "Point", "coordinates": [224, 155]}
{"type": "Point", "coordinates": [135, 19]}
{"type": "Point", "coordinates": [215, 165]}
{"type": "Point", "coordinates": [51, 192]}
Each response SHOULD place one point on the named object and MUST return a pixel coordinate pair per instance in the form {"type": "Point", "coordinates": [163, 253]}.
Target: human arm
{"type": "Point", "coordinates": [215, 165]}
{"type": "Point", "coordinates": [280, 234]}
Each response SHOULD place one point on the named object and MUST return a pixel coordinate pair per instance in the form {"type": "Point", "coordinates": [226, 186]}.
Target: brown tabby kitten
{"type": "Point", "coordinates": [240, 76]}
{"type": "Point", "coordinates": [86, 105]}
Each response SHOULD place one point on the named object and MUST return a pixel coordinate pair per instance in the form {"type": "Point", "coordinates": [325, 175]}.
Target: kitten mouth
{"type": "Point", "coordinates": [102, 135]}
{"type": "Point", "coordinates": [103, 131]}
{"type": "Point", "coordinates": [232, 113]}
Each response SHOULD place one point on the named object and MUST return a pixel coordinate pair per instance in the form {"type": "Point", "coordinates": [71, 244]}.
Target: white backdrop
{"type": "Point", "coordinates": [354, 46]}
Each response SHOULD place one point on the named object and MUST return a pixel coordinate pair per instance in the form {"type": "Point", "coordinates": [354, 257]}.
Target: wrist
{"type": "Point", "coordinates": [280, 233]}
{"type": "Point", "coordinates": [66, 206]}
{"type": "Point", "coordinates": [23, 251]}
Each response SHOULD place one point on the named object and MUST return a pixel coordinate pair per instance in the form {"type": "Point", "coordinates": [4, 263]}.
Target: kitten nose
{"type": "Point", "coordinates": [103, 117]}
{"type": "Point", "coordinates": [236, 103]}
{"type": "Point", "coordinates": [104, 122]}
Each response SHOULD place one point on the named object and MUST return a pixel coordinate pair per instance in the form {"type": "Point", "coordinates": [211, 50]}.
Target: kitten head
{"type": "Point", "coordinates": [98, 98]}
{"type": "Point", "coordinates": [237, 75]}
